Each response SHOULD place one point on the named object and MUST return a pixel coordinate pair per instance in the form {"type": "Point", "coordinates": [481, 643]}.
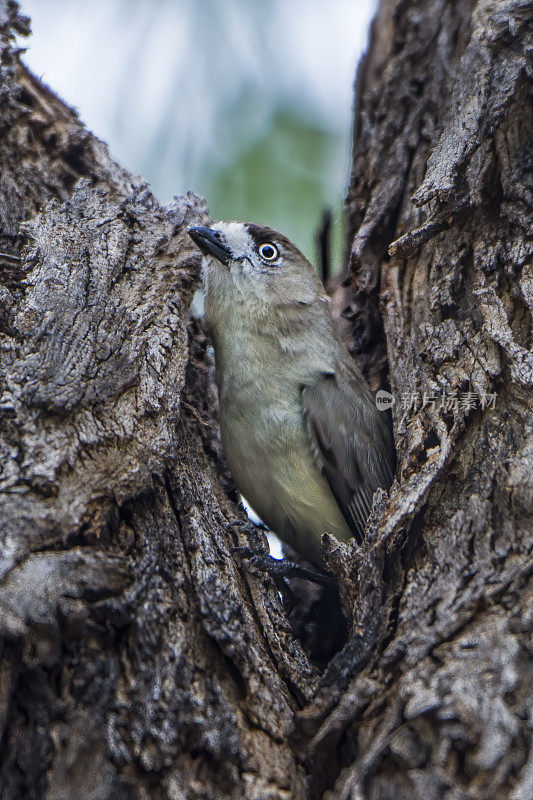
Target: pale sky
{"type": "Point", "coordinates": [125, 63]}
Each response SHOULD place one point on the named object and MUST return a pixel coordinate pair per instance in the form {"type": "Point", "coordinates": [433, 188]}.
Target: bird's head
{"type": "Point", "coordinates": [254, 263]}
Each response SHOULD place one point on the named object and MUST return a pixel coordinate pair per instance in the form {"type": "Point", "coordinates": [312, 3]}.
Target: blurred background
{"type": "Point", "coordinates": [247, 102]}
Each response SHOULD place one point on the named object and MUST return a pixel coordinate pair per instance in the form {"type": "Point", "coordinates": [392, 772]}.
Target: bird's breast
{"type": "Point", "coordinates": [267, 445]}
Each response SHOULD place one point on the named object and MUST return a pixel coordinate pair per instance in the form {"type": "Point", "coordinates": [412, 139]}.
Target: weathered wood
{"type": "Point", "coordinates": [139, 658]}
{"type": "Point", "coordinates": [440, 215]}
{"type": "Point", "coordinates": [136, 660]}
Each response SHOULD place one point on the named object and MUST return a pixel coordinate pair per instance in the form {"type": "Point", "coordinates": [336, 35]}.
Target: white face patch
{"type": "Point", "coordinates": [237, 238]}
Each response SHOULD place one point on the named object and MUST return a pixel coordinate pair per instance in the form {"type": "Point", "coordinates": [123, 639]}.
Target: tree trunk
{"type": "Point", "coordinates": [140, 658]}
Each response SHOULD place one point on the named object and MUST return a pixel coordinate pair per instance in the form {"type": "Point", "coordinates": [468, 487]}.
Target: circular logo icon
{"type": "Point", "coordinates": [384, 400]}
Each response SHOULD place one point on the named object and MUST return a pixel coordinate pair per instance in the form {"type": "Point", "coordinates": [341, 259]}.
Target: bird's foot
{"type": "Point", "coordinates": [247, 525]}
{"type": "Point", "coordinates": [283, 568]}
{"type": "Point", "coordinates": [266, 565]}
{"type": "Point", "coordinates": [254, 535]}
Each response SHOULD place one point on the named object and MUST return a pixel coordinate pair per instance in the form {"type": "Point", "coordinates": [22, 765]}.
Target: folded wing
{"type": "Point", "coordinates": [351, 441]}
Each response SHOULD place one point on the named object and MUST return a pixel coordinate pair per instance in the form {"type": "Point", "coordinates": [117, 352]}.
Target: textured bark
{"type": "Point", "coordinates": [139, 659]}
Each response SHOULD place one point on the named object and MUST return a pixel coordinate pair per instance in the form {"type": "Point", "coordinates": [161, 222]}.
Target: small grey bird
{"type": "Point", "coordinates": [303, 438]}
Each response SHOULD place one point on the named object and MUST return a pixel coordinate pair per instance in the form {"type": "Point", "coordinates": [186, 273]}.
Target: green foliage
{"type": "Point", "coordinates": [285, 179]}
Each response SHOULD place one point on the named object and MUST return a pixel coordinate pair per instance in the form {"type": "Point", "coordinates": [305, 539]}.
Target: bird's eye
{"type": "Point", "coordinates": [268, 252]}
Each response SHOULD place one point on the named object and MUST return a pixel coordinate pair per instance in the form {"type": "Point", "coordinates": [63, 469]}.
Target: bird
{"type": "Point", "coordinates": [303, 438]}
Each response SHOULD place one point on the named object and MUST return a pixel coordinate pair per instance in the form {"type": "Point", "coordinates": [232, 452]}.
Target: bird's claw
{"type": "Point", "coordinates": [257, 543]}
{"type": "Point", "coordinates": [282, 568]}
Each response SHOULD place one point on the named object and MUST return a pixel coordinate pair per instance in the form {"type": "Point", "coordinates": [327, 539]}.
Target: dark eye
{"type": "Point", "coordinates": [268, 251]}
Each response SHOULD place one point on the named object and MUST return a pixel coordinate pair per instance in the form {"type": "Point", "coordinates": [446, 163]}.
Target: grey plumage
{"type": "Point", "coordinates": [349, 442]}
{"type": "Point", "coordinates": [303, 438]}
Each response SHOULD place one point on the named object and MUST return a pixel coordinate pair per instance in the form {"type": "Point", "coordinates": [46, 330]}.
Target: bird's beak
{"type": "Point", "coordinates": [211, 243]}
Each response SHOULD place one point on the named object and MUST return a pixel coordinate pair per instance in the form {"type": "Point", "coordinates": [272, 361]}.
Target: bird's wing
{"type": "Point", "coordinates": [351, 440]}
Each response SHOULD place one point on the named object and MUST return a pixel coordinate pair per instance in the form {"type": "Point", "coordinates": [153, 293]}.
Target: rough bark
{"type": "Point", "coordinates": [139, 657]}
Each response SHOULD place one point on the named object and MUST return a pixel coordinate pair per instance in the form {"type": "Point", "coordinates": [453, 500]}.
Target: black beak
{"type": "Point", "coordinates": [211, 243]}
